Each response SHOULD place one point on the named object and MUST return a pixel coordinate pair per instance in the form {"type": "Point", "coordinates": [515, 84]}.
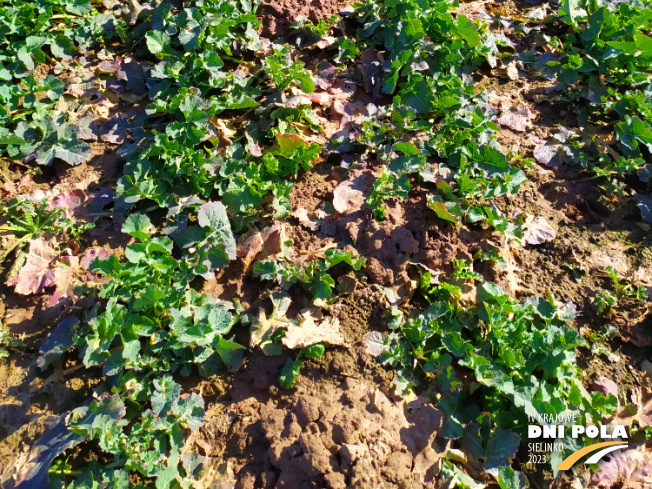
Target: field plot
{"type": "Point", "coordinates": [324, 244]}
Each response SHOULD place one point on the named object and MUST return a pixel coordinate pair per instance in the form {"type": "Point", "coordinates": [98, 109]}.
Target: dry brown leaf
{"type": "Point", "coordinates": [350, 195]}
{"type": "Point", "coordinates": [266, 243]}
{"type": "Point", "coordinates": [310, 333]}
{"type": "Point", "coordinates": [513, 280]}
{"type": "Point", "coordinates": [325, 42]}
{"type": "Point", "coordinates": [536, 230]}
{"type": "Point", "coordinates": [374, 342]}
{"type": "Point", "coordinates": [249, 245]}
{"type": "Point", "coordinates": [305, 219]}
{"type": "Point", "coordinates": [263, 327]}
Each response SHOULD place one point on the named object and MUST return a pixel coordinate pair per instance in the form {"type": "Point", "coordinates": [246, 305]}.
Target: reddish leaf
{"type": "Point", "coordinates": [537, 231]}
{"type": "Point", "coordinates": [606, 386]}
{"type": "Point", "coordinates": [628, 468]}
{"type": "Point", "coordinates": [64, 277]}
{"type": "Point", "coordinates": [90, 255]}
{"type": "Point", "coordinates": [35, 274]}
{"type": "Point", "coordinates": [69, 201]}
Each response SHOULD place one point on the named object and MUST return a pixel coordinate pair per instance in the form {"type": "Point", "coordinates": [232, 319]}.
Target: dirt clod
{"type": "Point", "coordinates": [277, 16]}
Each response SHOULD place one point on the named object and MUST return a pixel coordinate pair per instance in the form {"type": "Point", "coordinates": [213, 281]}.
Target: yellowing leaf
{"type": "Point", "coordinates": [289, 142]}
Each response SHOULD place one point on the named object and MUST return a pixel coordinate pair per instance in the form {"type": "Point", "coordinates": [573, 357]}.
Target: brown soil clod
{"type": "Point", "coordinates": [278, 15]}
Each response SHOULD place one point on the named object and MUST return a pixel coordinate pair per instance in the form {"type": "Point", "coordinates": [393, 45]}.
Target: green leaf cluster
{"type": "Point", "coordinates": [498, 356]}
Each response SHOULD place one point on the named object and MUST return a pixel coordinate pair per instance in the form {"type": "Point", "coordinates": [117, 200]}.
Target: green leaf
{"type": "Point", "coordinates": [230, 352]}
{"type": "Point", "coordinates": [449, 211]}
{"type": "Point", "coordinates": [475, 214]}
{"type": "Point", "coordinates": [314, 351]}
{"type": "Point", "coordinates": [643, 43]}
{"type": "Point", "coordinates": [167, 391]}
{"type": "Point", "coordinates": [501, 449]}
{"type": "Point", "coordinates": [453, 408]}
{"type": "Point", "coordinates": [406, 148]}
{"type": "Point", "coordinates": [307, 85]}
{"type": "Point", "coordinates": [509, 478]}
{"type": "Point", "coordinates": [157, 41]}
{"type": "Point", "coordinates": [138, 226]}
{"type": "Point", "coordinates": [166, 479]}
{"type": "Point", "coordinates": [64, 145]}
{"type": "Point", "coordinates": [11, 139]}
{"type": "Point", "coordinates": [543, 307]}
{"type": "Point", "coordinates": [213, 215]}
{"type": "Point", "coordinates": [419, 96]}
{"type": "Point", "coordinates": [572, 11]}
{"type": "Point", "coordinates": [290, 372]}
{"type": "Point", "coordinates": [190, 410]}
{"type": "Point", "coordinates": [467, 31]}
{"type": "Point", "coordinates": [136, 252]}
{"type": "Point", "coordinates": [489, 290]}
{"type": "Point", "coordinates": [78, 7]}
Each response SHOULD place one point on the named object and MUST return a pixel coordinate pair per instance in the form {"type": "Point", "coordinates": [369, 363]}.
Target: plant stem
{"type": "Point", "coordinates": [13, 246]}
{"type": "Point", "coordinates": [236, 60]}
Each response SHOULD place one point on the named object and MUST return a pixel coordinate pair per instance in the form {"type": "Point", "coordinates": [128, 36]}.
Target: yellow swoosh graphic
{"type": "Point", "coordinates": [575, 456]}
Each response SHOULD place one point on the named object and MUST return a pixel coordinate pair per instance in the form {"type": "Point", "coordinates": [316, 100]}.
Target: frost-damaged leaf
{"type": "Point", "coordinates": [537, 231]}
{"type": "Point", "coordinates": [268, 242]}
{"type": "Point", "coordinates": [519, 121]}
{"type": "Point", "coordinates": [96, 202]}
{"type": "Point", "coordinates": [370, 65]}
{"type": "Point", "coordinates": [449, 211]}
{"type": "Point", "coordinates": [553, 155]}
{"type": "Point", "coordinates": [114, 130]}
{"type": "Point", "coordinates": [302, 215]}
{"type": "Point", "coordinates": [65, 278]}
{"type": "Point", "coordinates": [57, 343]}
{"type": "Point", "coordinates": [631, 467]}
{"type": "Point", "coordinates": [374, 342]}
{"type": "Point", "coordinates": [69, 201]}
{"type": "Point", "coordinates": [350, 195]}
{"type": "Point", "coordinates": [133, 74]}
{"type": "Point", "coordinates": [644, 203]}
{"type": "Point", "coordinates": [639, 412]}
{"type": "Point", "coordinates": [262, 328]}
{"type": "Point", "coordinates": [69, 272]}
{"type": "Point", "coordinates": [35, 274]}
{"type": "Point", "coordinates": [249, 245]}
{"type": "Point", "coordinates": [57, 439]}
{"type": "Point", "coordinates": [606, 386]}
{"type": "Point", "coordinates": [325, 42]}
{"type": "Point", "coordinates": [213, 215]}
{"type": "Point", "coordinates": [86, 128]}
{"type": "Point", "coordinates": [310, 333]}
